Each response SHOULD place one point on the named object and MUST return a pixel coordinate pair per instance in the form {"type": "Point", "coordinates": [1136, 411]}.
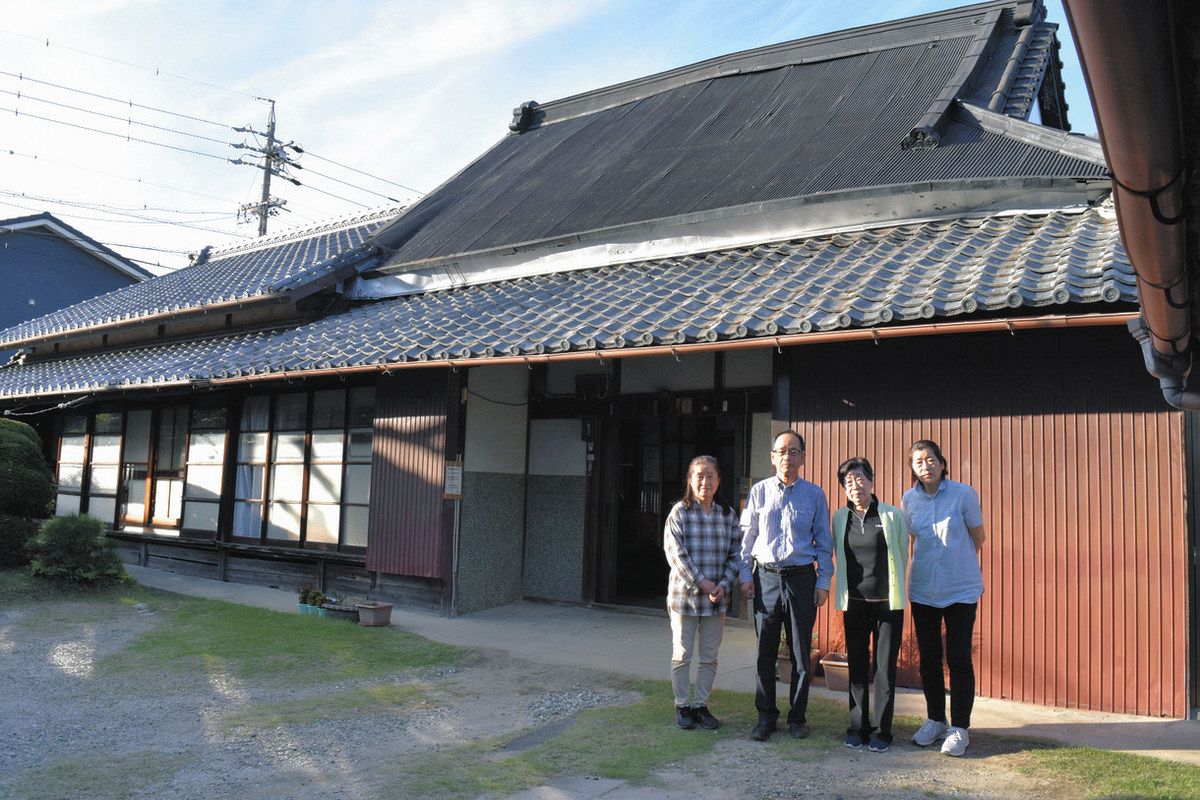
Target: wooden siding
{"type": "Point", "coordinates": [405, 524]}
{"type": "Point", "coordinates": [1079, 464]}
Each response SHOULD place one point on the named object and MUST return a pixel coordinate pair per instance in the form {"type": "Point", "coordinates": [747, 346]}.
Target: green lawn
{"type": "Point", "coordinates": [273, 648]}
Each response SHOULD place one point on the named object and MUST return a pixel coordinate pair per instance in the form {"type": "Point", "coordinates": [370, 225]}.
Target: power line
{"type": "Point", "coordinates": [144, 220]}
{"type": "Point", "coordinates": [331, 194]}
{"type": "Point", "coordinates": [109, 207]}
{"type": "Point", "coordinates": [4, 230]}
{"type": "Point", "coordinates": [156, 70]}
{"type": "Point", "coordinates": [144, 182]}
{"type": "Point", "coordinates": [311, 154]}
{"type": "Point", "coordinates": [128, 120]}
{"type": "Point", "coordinates": [6, 246]}
{"type": "Point", "coordinates": [126, 137]}
{"type": "Point", "coordinates": [351, 185]}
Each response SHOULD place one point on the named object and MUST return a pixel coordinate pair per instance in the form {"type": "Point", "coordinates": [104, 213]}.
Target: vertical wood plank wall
{"type": "Point", "coordinates": [1079, 465]}
{"type": "Point", "coordinates": [405, 530]}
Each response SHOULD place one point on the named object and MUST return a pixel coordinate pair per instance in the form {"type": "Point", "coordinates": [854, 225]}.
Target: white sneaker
{"type": "Point", "coordinates": [956, 741]}
{"type": "Point", "coordinates": [929, 732]}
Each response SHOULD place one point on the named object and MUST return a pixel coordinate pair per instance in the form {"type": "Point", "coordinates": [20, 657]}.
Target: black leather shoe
{"type": "Point", "coordinates": [705, 719]}
{"type": "Point", "coordinates": [799, 730]}
{"type": "Point", "coordinates": [684, 718]}
{"type": "Point", "coordinates": [763, 730]}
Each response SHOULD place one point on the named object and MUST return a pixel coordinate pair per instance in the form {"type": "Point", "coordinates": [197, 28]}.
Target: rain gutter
{"type": "Point", "coordinates": [1127, 51]}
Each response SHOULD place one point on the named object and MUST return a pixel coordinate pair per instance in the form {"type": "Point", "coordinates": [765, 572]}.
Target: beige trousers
{"type": "Point", "coordinates": [685, 630]}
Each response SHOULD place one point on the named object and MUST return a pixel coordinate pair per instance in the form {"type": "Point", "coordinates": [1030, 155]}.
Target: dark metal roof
{"type": "Point", "coordinates": [866, 278]}
{"type": "Point", "coordinates": [272, 266]}
{"type": "Point", "coordinates": [823, 114]}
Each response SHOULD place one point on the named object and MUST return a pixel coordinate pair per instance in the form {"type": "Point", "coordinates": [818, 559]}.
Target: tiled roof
{"type": "Point", "coordinates": [824, 114]}
{"type": "Point", "coordinates": [274, 265]}
{"type": "Point", "coordinates": [884, 276]}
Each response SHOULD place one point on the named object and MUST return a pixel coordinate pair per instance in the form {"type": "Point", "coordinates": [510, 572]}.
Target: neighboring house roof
{"type": "Point", "coordinates": [275, 266]}
{"type": "Point", "coordinates": [56, 227]}
{"type": "Point", "coordinates": [846, 110]}
{"type": "Point", "coordinates": [937, 269]}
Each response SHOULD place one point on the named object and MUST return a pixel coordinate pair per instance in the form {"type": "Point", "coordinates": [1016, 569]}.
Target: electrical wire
{"type": "Point", "coordinates": [191, 225]}
{"type": "Point", "coordinates": [57, 237]}
{"type": "Point", "coordinates": [351, 185]}
{"type": "Point", "coordinates": [156, 70]}
{"type": "Point", "coordinates": [126, 137]}
{"type": "Point", "coordinates": [127, 120]}
{"type": "Point", "coordinates": [108, 207]}
{"type": "Point", "coordinates": [144, 182]}
{"type": "Point", "coordinates": [6, 246]}
{"type": "Point", "coordinates": [311, 154]}
{"type": "Point", "coordinates": [331, 194]}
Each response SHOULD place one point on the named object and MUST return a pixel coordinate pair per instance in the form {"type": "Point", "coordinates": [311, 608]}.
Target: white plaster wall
{"type": "Point", "coordinates": [747, 368]}
{"type": "Point", "coordinates": [556, 447]}
{"type": "Point", "coordinates": [496, 430]}
{"type": "Point", "coordinates": [665, 374]}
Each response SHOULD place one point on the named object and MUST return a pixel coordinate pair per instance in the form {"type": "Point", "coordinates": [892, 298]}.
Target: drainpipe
{"type": "Point", "coordinates": [1127, 51]}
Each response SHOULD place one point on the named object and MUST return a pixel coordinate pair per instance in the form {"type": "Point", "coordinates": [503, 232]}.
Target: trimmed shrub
{"type": "Point", "coordinates": [15, 533]}
{"type": "Point", "coordinates": [75, 549]}
{"type": "Point", "coordinates": [26, 489]}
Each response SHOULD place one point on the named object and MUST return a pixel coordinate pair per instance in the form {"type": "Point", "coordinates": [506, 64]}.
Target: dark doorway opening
{"type": "Point", "coordinates": [641, 477]}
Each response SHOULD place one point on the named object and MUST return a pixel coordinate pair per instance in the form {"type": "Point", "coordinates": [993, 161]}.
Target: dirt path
{"type": "Point", "coordinates": [71, 730]}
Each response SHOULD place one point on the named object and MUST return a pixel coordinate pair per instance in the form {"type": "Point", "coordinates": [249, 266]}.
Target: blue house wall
{"type": "Point", "coordinates": [41, 272]}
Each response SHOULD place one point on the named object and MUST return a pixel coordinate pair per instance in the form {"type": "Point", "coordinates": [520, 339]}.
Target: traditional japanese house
{"type": "Point", "coordinates": [872, 236]}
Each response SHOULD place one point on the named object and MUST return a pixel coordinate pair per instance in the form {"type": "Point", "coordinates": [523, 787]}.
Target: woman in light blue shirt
{"type": "Point", "coordinates": [944, 586]}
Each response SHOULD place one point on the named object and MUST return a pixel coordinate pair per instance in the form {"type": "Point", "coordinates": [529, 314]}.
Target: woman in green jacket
{"type": "Point", "coordinates": [870, 542]}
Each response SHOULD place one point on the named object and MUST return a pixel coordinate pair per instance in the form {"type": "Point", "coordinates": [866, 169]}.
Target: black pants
{"type": "Point", "coordinates": [863, 622]}
{"type": "Point", "coordinates": [784, 598]}
{"type": "Point", "coordinates": [959, 619]}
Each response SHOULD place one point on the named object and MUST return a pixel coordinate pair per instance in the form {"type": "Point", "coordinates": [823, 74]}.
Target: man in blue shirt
{"type": "Point", "coordinates": [787, 564]}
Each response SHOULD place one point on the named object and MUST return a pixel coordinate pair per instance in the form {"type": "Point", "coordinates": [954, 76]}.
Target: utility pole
{"type": "Point", "coordinates": [264, 206]}
{"type": "Point", "coordinates": [275, 160]}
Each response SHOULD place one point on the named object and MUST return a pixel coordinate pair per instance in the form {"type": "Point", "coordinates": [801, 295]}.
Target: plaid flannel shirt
{"type": "Point", "coordinates": [700, 546]}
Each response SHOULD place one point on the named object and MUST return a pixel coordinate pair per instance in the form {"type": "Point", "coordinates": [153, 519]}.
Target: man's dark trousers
{"type": "Point", "coordinates": [786, 597]}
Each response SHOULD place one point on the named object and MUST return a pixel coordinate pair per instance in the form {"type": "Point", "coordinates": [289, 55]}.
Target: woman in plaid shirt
{"type": "Point", "coordinates": [702, 541]}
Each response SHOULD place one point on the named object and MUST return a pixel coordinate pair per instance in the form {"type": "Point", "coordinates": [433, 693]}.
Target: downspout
{"type": "Point", "coordinates": [1127, 51]}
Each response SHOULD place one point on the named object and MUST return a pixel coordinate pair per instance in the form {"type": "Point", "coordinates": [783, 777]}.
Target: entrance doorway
{"type": "Point", "coordinates": [642, 461]}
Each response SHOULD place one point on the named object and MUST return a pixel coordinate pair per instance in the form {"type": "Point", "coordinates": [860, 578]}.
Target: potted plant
{"type": "Point", "coordinates": [374, 614]}
{"type": "Point", "coordinates": [306, 604]}
{"type": "Point", "coordinates": [340, 608]}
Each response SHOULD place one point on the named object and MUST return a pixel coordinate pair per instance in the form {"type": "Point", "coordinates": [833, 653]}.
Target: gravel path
{"type": "Point", "coordinates": [160, 736]}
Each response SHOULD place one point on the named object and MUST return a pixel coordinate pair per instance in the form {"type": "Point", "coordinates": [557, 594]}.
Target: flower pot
{"type": "Point", "coordinates": [375, 615]}
{"type": "Point", "coordinates": [303, 608]}
{"type": "Point", "coordinates": [837, 672]}
{"type": "Point", "coordinates": [335, 611]}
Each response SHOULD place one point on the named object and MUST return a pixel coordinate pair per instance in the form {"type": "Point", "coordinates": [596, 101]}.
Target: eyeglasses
{"type": "Point", "coordinates": [788, 451]}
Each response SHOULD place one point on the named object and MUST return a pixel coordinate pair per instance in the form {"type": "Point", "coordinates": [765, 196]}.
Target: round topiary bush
{"type": "Point", "coordinates": [26, 489]}
{"type": "Point", "coordinates": [75, 549]}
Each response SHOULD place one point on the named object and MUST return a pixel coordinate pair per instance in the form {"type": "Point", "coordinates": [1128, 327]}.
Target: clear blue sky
{"type": "Point", "coordinates": [410, 91]}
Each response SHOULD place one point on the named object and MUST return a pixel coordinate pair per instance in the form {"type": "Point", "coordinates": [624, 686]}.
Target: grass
{"type": "Point", "coordinates": [204, 637]}
{"type": "Point", "coordinates": [111, 777]}
{"type": "Point", "coordinates": [348, 704]}
{"type": "Point", "coordinates": [1103, 774]}
{"type": "Point", "coordinates": [628, 742]}
{"type": "Point", "coordinates": [273, 648]}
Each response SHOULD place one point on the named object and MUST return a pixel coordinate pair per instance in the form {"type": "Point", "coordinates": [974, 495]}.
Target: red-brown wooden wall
{"type": "Point", "coordinates": [406, 531]}
{"type": "Point", "coordinates": [1079, 465]}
